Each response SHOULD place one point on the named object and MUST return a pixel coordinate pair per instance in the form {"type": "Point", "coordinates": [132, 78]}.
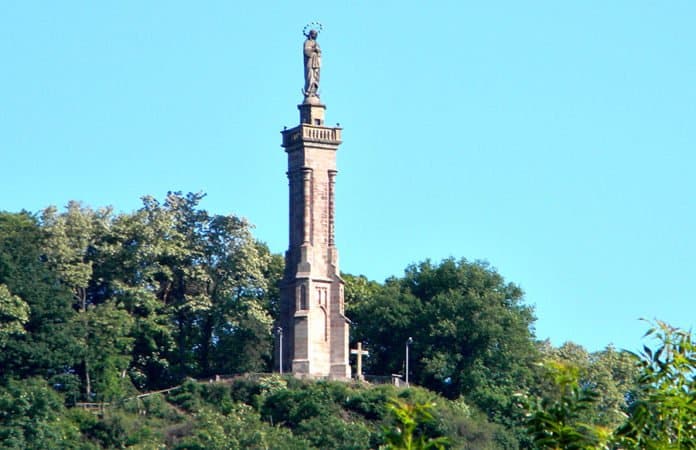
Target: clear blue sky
{"type": "Point", "coordinates": [554, 139]}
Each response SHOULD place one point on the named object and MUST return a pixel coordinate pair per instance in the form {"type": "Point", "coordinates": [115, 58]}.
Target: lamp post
{"type": "Point", "coordinates": [280, 336]}
{"type": "Point", "coordinates": [409, 341]}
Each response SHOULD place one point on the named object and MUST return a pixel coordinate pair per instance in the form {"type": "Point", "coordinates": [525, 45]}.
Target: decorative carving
{"type": "Point", "coordinates": [312, 64]}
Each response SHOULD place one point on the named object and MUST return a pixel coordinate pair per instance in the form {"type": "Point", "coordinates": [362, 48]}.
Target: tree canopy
{"type": "Point", "coordinates": [102, 307]}
{"type": "Point", "coordinates": [471, 332]}
{"type": "Point", "coordinates": [138, 299]}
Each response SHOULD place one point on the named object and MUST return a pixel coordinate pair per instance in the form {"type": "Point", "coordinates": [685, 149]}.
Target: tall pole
{"type": "Point", "coordinates": [280, 334]}
{"type": "Point", "coordinates": [408, 344]}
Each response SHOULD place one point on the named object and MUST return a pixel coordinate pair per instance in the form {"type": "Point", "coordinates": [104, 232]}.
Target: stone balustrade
{"type": "Point", "coordinates": [309, 133]}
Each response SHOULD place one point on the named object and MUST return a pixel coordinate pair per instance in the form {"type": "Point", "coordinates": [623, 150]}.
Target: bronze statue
{"type": "Point", "coordinates": [312, 65]}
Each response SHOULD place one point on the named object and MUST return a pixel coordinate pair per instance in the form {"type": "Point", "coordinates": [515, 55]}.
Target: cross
{"type": "Point", "coordinates": [360, 352]}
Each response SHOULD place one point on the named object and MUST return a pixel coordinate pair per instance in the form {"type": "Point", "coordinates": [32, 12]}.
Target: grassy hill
{"type": "Point", "coordinates": [260, 412]}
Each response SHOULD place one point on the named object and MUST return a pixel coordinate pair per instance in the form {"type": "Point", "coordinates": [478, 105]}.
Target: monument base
{"type": "Point", "coordinates": [340, 371]}
{"type": "Point", "coordinates": [300, 367]}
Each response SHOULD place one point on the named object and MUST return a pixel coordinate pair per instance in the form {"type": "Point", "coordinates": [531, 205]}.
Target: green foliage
{"type": "Point", "coordinates": [468, 428]}
{"type": "Point", "coordinates": [303, 414]}
{"type": "Point", "coordinates": [207, 274]}
{"type": "Point", "coordinates": [663, 415]}
{"type": "Point", "coordinates": [145, 298]}
{"type": "Point", "coordinates": [290, 407]}
{"type": "Point", "coordinates": [245, 390]}
{"type": "Point", "coordinates": [14, 313]}
{"type": "Point", "coordinates": [31, 416]}
{"type": "Point", "coordinates": [611, 374]}
{"type": "Point", "coordinates": [68, 384]}
{"type": "Point", "coordinates": [239, 429]}
{"type": "Point", "coordinates": [310, 409]}
{"type": "Point", "coordinates": [407, 434]}
{"type": "Point", "coordinates": [370, 403]}
{"type": "Point", "coordinates": [107, 348]}
{"type": "Point", "coordinates": [71, 237]}
{"type": "Point", "coordinates": [662, 412]}
{"type": "Point", "coordinates": [118, 429]}
{"type": "Point", "coordinates": [188, 396]}
{"type": "Point", "coordinates": [358, 289]}
{"type": "Point", "coordinates": [335, 433]}
{"type": "Point", "coordinates": [558, 423]}
{"type": "Point", "coordinates": [48, 345]}
{"type": "Point", "coordinates": [95, 306]}
{"type": "Point", "coordinates": [471, 332]}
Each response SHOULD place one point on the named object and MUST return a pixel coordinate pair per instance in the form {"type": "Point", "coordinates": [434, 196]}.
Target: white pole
{"type": "Point", "coordinates": [408, 343]}
{"type": "Point", "coordinates": [406, 364]}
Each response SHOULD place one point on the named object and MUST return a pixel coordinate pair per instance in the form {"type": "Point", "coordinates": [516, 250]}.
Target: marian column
{"type": "Point", "coordinates": [315, 329]}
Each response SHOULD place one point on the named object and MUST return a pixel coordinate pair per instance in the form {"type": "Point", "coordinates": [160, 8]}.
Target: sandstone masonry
{"type": "Point", "coordinates": [315, 328]}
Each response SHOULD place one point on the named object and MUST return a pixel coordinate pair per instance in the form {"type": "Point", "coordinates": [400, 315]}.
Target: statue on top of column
{"type": "Point", "coordinates": [312, 64]}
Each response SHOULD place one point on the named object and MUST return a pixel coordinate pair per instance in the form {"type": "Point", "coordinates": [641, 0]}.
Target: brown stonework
{"type": "Point", "coordinates": [315, 328]}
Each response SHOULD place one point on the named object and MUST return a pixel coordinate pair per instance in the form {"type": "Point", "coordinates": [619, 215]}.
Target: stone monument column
{"type": "Point", "coordinates": [312, 316]}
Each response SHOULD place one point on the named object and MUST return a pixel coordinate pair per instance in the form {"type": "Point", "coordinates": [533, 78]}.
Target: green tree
{"type": "Point", "coordinates": [32, 416]}
{"type": "Point", "coordinates": [560, 423]}
{"type": "Point", "coordinates": [610, 373]}
{"type": "Point", "coordinates": [663, 416]}
{"type": "Point", "coordinates": [383, 319]}
{"type": "Point", "coordinates": [661, 412]}
{"type": "Point", "coordinates": [471, 332]}
{"type": "Point", "coordinates": [14, 313]}
{"type": "Point", "coordinates": [69, 238]}
{"type": "Point", "coordinates": [72, 239]}
{"type": "Point", "coordinates": [131, 268]}
{"type": "Point", "coordinates": [273, 273]}
{"type": "Point", "coordinates": [241, 427]}
{"type": "Point", "coordinates": [176, 290]}
{"type": "Point", "coordinates": [407, 434]}
{"type": "Point", "coordinates": [108, 332]}
{"type": "Point", "coordinates": [73, 247]}
{"type": "Point", "coordinates": [48, 347]}
{"type": "Point", "coordinates": [209, 275]}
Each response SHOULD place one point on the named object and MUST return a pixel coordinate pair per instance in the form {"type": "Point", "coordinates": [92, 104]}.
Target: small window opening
{"type": "Point", "coordinates": [303, 297]}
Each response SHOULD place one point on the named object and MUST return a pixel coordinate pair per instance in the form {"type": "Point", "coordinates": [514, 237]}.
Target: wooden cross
{"type": "Point", "coordinates": [360, 352]}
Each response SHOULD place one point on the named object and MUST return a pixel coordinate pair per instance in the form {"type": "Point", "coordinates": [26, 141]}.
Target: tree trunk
{"type": "Point", "coordinates": [88, 381]}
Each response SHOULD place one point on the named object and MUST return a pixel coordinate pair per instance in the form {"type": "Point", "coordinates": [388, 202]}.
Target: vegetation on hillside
{"type": "Point", "coordinates": [98, 307]}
